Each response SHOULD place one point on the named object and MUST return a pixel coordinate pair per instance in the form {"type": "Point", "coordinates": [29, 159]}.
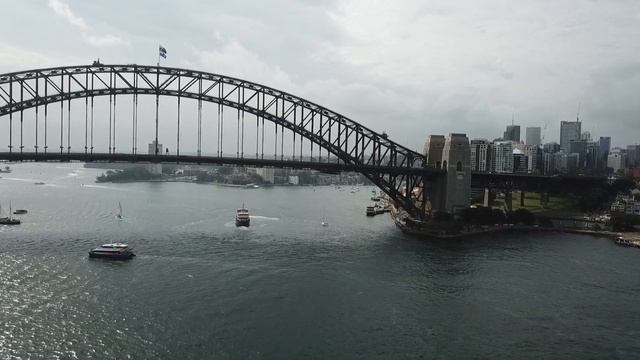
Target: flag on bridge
{"type": "Point", "coordinates": [162, 52]}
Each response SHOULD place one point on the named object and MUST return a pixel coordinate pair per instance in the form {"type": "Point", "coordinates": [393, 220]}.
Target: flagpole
{"type": "Point", "coordinates": [157, 101]}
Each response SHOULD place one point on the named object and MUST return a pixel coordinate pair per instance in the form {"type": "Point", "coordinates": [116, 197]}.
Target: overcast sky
{"type": "Point", "coordinates": [410, 68]}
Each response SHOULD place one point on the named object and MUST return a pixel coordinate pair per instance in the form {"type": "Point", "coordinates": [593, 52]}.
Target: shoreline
{"type": "Point", "coordinates": [193, 181]}
{"type": "Point", "coordinates": [632, 239]}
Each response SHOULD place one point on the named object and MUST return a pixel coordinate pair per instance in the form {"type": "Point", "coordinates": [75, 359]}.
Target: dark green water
{"type": "Point", "coordinates": [287, 288]}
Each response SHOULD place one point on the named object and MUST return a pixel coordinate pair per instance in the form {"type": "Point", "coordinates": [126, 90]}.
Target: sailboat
{"type": "Point", "coordinates": [119, 214]}
{"type": "Point", "coordinates": [9, 220]}
{"type": "Point", "coordinates": [324, 220]}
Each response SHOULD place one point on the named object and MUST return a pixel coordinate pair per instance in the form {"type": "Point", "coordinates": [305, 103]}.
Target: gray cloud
{"type": "Point", "coordinates": [409, 68]}
{"type": "Point", "coordinates": [89, 35]}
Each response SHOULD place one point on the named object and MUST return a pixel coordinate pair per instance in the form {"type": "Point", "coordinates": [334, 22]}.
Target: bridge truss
{"type": "Point", "coordinates": [336, 143]}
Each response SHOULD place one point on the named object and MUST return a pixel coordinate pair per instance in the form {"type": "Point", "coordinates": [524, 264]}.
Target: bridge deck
{"type": "Point", "coordinates": [327, 167]}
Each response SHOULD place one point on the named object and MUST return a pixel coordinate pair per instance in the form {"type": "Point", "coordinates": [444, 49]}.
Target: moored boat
{"type": "Point", "coordinates": [371, 211]}
{"type": "Point", "coordinates": [9, 220]}
{"type": "Point", "coordinates": [242, 217]}
{"type": "Point", "coordinates": [115, 251]}
{"type": "Point", "coordinates": [20, 212]}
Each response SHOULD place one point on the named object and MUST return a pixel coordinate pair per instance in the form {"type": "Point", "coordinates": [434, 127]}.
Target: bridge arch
{"type": "Point", "coordinates": [397, 170]}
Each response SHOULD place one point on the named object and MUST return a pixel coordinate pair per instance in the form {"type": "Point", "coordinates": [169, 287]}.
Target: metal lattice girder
{"type": "Point", "coordinates": [350, 143]}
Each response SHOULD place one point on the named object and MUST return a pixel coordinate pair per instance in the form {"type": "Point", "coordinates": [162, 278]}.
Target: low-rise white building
{"type": "Point", "coordinates": [267, 174]}
{"type": "Point", "coordinates": [616, 160]}
{"type": "Point", "coordinates": [626, 204]}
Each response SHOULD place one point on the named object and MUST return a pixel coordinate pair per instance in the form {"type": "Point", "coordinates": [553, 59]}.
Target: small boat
{"type": "Point", "coordinates": [375, 198]}
{"type": "Point", "coordinates": [6, 170]}
{"type": "Point", "coordinates": [119, 214]}
{"type": "Point", "coordinates": [371, 210]}
{"type": "Point", "coordinates": [115, 251]}
{"type": "Point", "coordinates": [324, 220]}
{"type": "Point", "coordinates": [622, 241]}
{"type": "Point", "coordinates": [20, 212]}
{"type": "Point", "coordinates": [242, 217]}
{"type": "Point", "coordinates": [39, 183]}
{"type": "Point", "coordinates": [9, 220]}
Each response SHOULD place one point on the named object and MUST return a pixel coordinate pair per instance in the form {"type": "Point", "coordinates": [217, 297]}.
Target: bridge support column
{"type": "Point", "coordinates": [425, 198]}
{"type": "Point", "coordinates": [544, 199]}
{"type": "Point", "coordinates": [487, 198]}
{"type": "Point", "coordinates": [456, 162]}
{"type": "Point", "coordinates": [508, 200]}
{"type": "Point", "coordinates": [437, 192]}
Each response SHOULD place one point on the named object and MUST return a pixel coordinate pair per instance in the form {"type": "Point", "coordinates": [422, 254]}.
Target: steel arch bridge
{"type": "Point", "coordinates": [336, 142]}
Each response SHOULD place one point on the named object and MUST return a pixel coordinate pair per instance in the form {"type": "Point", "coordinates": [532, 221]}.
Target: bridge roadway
{"type": "Point", "coordinates": [327, 167]}
{"type": "Point", "coordinates": [526, 182]}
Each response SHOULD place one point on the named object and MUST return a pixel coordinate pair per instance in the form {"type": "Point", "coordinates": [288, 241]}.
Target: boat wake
{"type": "Point", "coordinates": [232, 224]}
{"type": "Point", "coordinates": [107, 188]}
{"type": "Point", "coordinates": [257, 217]}
{"type": "Point", "coordinates": [21, 179]}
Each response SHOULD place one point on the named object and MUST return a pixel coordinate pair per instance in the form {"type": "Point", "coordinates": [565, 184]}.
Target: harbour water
{"type": "Point", "coordinates": [287, 287]}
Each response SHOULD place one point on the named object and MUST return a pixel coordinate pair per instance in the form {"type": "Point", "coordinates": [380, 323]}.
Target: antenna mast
{"type": "Point", "coordinates": [578, 114]}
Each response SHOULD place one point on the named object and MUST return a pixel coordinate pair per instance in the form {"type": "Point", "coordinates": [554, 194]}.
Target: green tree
{"type": "Point", "coordinates": [624, 185]}
{"type": "Point", "coordinates": [522, 216]}
{"type": "Point", "coordinates": [225, 170]}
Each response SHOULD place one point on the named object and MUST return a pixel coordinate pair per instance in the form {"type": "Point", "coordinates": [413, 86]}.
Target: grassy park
{"type": "Point", "coordinates": [555, 205]}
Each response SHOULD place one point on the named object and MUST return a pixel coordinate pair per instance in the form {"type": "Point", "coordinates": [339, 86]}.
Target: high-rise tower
{"type": "Point", "coordinates": [569, 131]}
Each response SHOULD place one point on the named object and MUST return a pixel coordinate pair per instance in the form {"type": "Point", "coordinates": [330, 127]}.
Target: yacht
{"type": "Point", "coordinates": [9, 220]}
{"type": "Point", "coordinates": [242, 217]}
{"type": "Point", "coordinates": [324, 220]}
{"type": "Point", "coordinates": [6, 170]}
{"type": "Point", "coordinates": [119, 214]}
{"type": "Point", "coordinates": [20, 212]}
{"type": "Point", "coordinates": [115, 251]}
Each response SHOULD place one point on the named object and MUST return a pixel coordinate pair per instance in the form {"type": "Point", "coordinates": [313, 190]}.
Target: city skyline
{"type": "Point", "coordinates": [545, 137]}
